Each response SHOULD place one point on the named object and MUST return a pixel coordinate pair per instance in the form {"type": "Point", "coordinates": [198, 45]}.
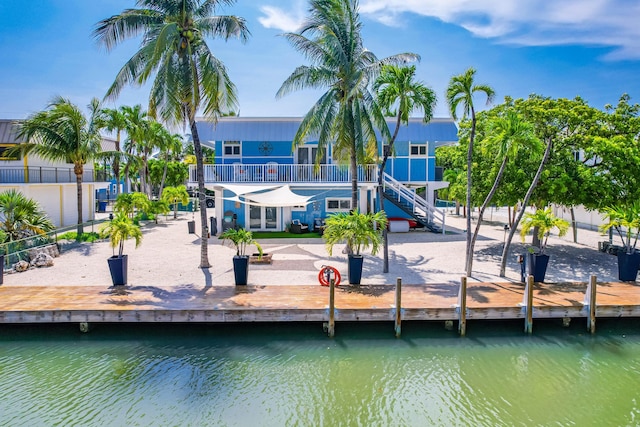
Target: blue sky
{"type": "Point", "coordinates": [561, 48]}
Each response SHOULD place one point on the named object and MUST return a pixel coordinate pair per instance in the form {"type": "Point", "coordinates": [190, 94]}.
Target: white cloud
{"type": "Point", "coordinates": [287, 21]}
{"type": "Point", "coordinates": [609, 23]}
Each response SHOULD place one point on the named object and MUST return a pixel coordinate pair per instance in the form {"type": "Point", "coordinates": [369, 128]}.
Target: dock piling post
{"type": "Point", "coordinates": [331, 329]}
{"type": "Point", "coordinates": [462, 306]}
{"type": "Point", "coordinates": [590, 302]}
{"type": "Point", "coordinates": [528, 296]}
{"type": "Point", "coordinates": [398, 306]}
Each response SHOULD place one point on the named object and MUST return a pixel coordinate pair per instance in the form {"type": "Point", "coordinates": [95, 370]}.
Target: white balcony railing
{"type": "Point", "coordinates": [277, 173]}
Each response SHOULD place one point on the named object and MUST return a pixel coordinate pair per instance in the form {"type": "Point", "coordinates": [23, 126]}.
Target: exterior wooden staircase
{"type": "Point", "coordinates": [414, 205]}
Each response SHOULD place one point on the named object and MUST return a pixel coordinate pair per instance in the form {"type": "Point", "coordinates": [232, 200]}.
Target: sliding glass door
{"type": "Point", "coordinates": [263, 218]}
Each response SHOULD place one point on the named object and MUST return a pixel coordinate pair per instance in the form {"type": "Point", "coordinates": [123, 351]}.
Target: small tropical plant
{"type": "Point", "coordinates": [128, 203]}
{"type": "Point", "coordinates": [626, 221]}
{"type": "Point", "coordinates": [240, 239]}
{"type": "Point", "coordinates": [22, 217]}
{"type": "Point", "coordinates": [119, 229]}
{"type": "Point", "coordinates": [357, 230]}
{"type": "Point", "coordinates": [544, 221]}
{"type": "Point", "coordinates": [175, 195]}
{"type": "Point", "coordinates": [158, 207]}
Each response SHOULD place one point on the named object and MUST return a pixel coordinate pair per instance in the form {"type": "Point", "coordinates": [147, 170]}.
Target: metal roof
{"type": "Point", "coordinates": [441, 130]}
{"type": "Point", "coordinates": [9, 132]}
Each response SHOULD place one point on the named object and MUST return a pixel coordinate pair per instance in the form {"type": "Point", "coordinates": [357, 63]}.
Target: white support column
{"type": "Point", "coordinates": [362, 199]}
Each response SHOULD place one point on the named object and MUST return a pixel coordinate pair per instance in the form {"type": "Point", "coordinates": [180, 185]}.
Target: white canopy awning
{"type": "Point", "coordinates": [280, 197]}
{"type": "Point", "coordinates": [240, 189]}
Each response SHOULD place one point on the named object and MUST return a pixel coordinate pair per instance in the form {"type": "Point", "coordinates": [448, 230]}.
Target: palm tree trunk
{"type": "Point", "coordinates": [486, 202]}
{"type": "Point", "coordinates": [354, 178]}
{"type": "Point", "coordinates": [525, 202]}
{"type": "Point", "coordinates": [204, 236]}
{"type": "Point", "coordinates": [164, 176]}
{"type": "Point", "coordinates": [385, 157]}
{"type": "Point", "coordinates": [116, 164]}
{"type": "Point", "coordinates": [79, 170]}
{"type": "Point", "coordinates": [468, 199]}
{"type": "Point", "coordinates": [574, 225]}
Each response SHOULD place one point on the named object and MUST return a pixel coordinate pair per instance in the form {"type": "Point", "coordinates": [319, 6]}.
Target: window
{"type": "Point", "coordinates": [232, 148]}
{"type": "Point", "coordinates": [338, 205]}
{"type": "Point", "coordinates": [418, 149]}
{"type": "Point", "coordinates": [3, 152]}
{"type": "Point", "coordinates": [577, 156]}
{"type": "Point", "coordinates": [299, 208]}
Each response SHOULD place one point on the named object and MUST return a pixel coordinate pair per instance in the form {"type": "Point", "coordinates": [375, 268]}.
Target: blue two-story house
{"type": "Point", "coordinates": [264, 183]}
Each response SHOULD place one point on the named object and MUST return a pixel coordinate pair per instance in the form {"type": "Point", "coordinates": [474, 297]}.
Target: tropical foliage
{"type": "Point", "coordinates": [543, 221]}
{"type": "Point", "coordinates": [240, 239]}
{"type": "Point", "coordinates": [120, 229]}
{"type": "Point", "coordinates": [188, 77]}
{"type": "Point", "coordinates": [460, 93]}
{"type": "Point", "coordinates": [21, 217]}
{"type": "Point", "coordinates": [130, 203]}
{"type": "Point", "coordinates": [62, 133]}
{"type": "Point", "coordinates": [175, 195]}
{"type": "Point", "coordinates": [359, 231]}
{"type": "Point", "coordinates": [511, 134]}
{"type": "Point", "coordinates": [625, 220]}
{"type": "Point", "coordinates": [399, 95]}
{"type": "Point", "coordinates": [347, 114]}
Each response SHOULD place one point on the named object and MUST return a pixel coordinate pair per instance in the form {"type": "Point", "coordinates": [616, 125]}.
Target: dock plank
{"type": "Point", "coordinates": [282, 303]}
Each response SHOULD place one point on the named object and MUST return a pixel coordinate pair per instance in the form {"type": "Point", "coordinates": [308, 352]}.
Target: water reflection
{"type": "Point", "coordinates": [293, 375]}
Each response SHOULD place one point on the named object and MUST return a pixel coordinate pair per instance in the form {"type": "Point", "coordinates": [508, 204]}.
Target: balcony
{"type": "Point", "coordinates": [274, 173]}
{"type": "Point", "coordinates": [47, 175]}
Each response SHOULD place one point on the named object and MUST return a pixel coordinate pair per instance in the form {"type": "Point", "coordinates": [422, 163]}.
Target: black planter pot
{"type": "Point", "coordinates": [537, 266]}
{"type": "Point", "coordinates": [241, 269]}
{"type": "Point", "coordinates": [628, 266]}
{"type": "Point", "coordinates": [354, 269]}
{"type": "Point", "coordinates": [118, 269]}
{"type": "Point", "coordinates": [192, 227]}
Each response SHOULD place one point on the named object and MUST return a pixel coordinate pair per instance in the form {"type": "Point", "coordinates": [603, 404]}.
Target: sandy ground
{"type": "Point", "coordinates": [169, 255]}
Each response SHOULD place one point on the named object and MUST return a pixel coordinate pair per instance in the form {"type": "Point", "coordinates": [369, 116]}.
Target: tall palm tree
{"type": "Point", "coordinates": [396, 88]}
{"type": "Point", "coordinates": [347, 114]}
{"type": "Point", "coordinates": [135, 122]}
{"type": "Point", "coordinates": [460, 92]}
{"type": "Point", "coordinates": [62, 133]}
{"type": "Point", "coordinates": [113, 120]}
{"type": "Point", "coordinates": [170, 145]}
{"type": "Point", "coordinates": [154, 134]}
{"type": "Point", "coordinates": [511, 133]}
{"type": "Point", "coordinates": [188, 76]}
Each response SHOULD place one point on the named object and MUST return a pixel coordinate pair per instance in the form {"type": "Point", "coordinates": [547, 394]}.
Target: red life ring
{"type": "Point", "coordinates": [324, 276]}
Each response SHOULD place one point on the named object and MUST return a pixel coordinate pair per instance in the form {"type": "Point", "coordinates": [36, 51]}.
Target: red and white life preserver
{"type": "Point", "coordinates": [324, 276]}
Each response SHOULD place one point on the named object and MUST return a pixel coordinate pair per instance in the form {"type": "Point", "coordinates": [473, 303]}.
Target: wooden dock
{"type": "Point", "coordinates": [300, 303]}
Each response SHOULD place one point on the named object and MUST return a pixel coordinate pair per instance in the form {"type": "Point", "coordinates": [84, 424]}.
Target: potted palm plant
{"type": "Point", "coordinates": [119, 229]}
{"type": "Point", "coordinates": [358, 231]}
{"type": "Point", "coordinates": [240, 239]}
{"type": "Point", "coordinates": [625, 220]}
{"type": "Point", "coordinates": [544, 221]}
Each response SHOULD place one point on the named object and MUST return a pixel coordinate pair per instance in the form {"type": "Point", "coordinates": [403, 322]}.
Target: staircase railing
{"type": "Point", "coordinates": [419, 205]}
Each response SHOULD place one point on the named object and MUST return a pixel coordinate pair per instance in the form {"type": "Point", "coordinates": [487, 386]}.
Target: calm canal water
{"type": "Point", "coordinates": [293, 375]}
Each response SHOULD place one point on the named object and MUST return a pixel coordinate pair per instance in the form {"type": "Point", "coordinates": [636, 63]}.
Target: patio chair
{"type": "Point", "coordinates": [298, 227]}
{"type": "Point", "coordinates": [240, 172]}
{"type": "Point", "coordinates": [272, 171]}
